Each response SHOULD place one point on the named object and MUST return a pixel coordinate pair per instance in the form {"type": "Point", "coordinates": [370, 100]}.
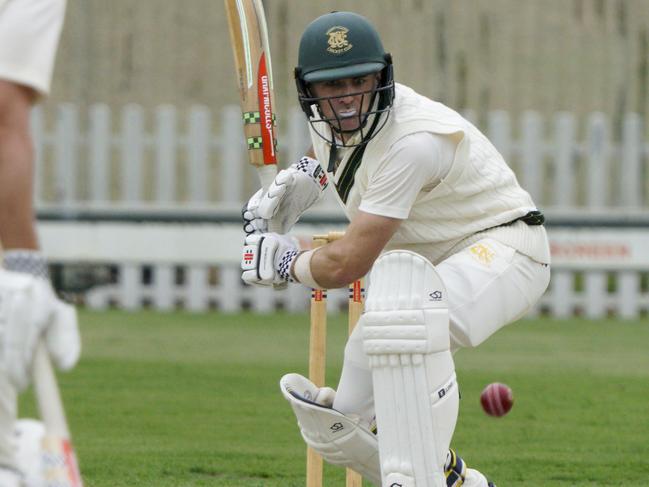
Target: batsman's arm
{"type": "Point", "coordinates": [338, 263]}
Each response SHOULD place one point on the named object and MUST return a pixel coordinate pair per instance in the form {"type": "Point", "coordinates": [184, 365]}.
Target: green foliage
{"type": "Point", "coordinates": [193, 400]}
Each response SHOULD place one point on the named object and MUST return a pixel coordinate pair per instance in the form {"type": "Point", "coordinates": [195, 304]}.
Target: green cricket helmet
{"type": "Point", "coordinates": [342, 45]}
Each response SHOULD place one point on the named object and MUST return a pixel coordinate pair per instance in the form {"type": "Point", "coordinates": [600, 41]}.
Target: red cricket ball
{"type": "Point", "coordinates": [497, 399]}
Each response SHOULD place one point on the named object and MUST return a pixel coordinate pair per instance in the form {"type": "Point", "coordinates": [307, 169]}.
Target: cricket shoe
{"type": "Point", "coordinates": [475, 479]}
{"type": "Point", "coordinates": [457, 473]}
{"type": "Point", "coordinates": [454, 469]}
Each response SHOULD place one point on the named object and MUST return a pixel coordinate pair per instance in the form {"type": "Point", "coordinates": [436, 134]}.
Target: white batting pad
{"type": "Point", "coordinates": [406, 337]}
{"type": "Point", "coordinates": [339, 439]}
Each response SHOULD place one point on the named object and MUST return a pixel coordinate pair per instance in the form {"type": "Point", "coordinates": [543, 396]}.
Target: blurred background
{"type": "Point", "coordinates": [141, 159]}
{"type": "Point", "coordinates": [575, 55]}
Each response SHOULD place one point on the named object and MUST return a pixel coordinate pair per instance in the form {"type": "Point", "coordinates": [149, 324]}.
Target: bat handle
{"type": "Point", "coordinates": [267, 174]}
{"type": "Point", "coordinates": [47, 394]}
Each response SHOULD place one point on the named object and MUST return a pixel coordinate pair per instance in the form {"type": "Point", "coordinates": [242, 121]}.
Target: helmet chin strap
{"type": "Point", "coordinates": [333, 155]}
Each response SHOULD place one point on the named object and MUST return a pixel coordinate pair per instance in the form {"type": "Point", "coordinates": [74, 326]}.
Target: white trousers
{"type": "Point", "coordinates": [488, 285]}
{"type": "Point", "coordinates": [29, 36]}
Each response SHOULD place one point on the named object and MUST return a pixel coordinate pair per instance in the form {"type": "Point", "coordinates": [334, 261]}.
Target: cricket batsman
{"type": "Point", "coordinates": [456, 249]}
{"type": "Point", "coordinates": [29, 308]}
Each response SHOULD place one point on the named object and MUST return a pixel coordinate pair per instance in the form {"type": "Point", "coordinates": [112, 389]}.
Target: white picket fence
{"type": "Point", "coordinates": [191, 165]}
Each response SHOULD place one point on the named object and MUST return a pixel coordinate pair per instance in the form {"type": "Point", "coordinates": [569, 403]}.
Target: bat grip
{"type": "Point", "coordinates": [267, 175]}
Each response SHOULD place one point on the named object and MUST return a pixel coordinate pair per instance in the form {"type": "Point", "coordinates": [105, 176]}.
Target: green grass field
{"type": "Point", "coordinates": [176, 399]}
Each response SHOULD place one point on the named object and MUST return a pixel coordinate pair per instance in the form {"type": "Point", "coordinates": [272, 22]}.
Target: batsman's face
{"type": "Point", "coordinates": [345, 101]}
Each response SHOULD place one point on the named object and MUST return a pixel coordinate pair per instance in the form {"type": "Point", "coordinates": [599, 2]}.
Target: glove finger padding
{"type": "Point", "coordinates": [252, 222]}
{"type": "Point", "coordinates": [62, 337]}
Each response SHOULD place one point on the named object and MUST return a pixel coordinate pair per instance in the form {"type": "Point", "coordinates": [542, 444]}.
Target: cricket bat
{"type": "Point", "coordinates": [60, 467]}
{"type": "Point", "coordinates": [249, 38]}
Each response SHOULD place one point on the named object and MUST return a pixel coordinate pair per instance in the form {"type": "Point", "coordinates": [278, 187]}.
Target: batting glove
{"type": "Point", "coordinates": [293, 191]}
{"type": "Point", "coordinates": [252, 222]}
{"type": "Point", "coordinates": [267, 259]}
{"type": "Point", "coordinates": [29, 310]}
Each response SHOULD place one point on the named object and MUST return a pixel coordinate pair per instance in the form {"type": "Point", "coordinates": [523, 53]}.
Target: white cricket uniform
{"type": "Point", "coordinates": [457, 199]}
{"type": "Point", "coordinates": [29, 36]}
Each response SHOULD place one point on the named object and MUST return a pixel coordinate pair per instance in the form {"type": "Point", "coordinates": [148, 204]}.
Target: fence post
{"type": "Point", "coordinates": [230, 288]}
{"type": "Point", "coordinates": [165, 154]}
{"type": "Point", "coordinates": [65, 150]}
{"type": "Point", "coordinates": [129, 286]}
{"type": "Point", "coordinates": [597, 197]}
{"type": "Point", "coordinates": [233, 157]}
{"type": "Point", "coordinates": [630, 195]}
{"type": "Point", "coordinates": [132, 153]}
{"type": "Point", "coordinates": [631, 179]}
{"type": "Point", "coordinates": [628, 284]}
{"type": "Point", "coordinates": [597, 157]}
{"type": "Point", "coordinates": [532, 152]}
{"type": "Point", "coordinates": [196, 287]}
{"type": "Point", "coordinates": [263, 299]}
{"type": "Point", "coordinates": [564, 160]}
{"type": "Point", "coordinates": [166, 139]}
{"type": "Point", "coordinates": [99, 135]}
{"type": "Point", "coordinates": [562, 293]}
{"type": "Point", "coordinates": [163, 287]}
{"type": "Point", "coordinates": [499, 129]}
{"type": "Point", "coordinates": [198, 151]}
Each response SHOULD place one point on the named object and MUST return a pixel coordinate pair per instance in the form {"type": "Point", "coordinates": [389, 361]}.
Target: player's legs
{"type": "Point", "coordinates": [16, 167]}
{"type": "Point", "coordinates": [488, 287]}
{"type": "Point", "coordinates": [355, 393]}
{"type": "Point", "coordinates": [482, 298]}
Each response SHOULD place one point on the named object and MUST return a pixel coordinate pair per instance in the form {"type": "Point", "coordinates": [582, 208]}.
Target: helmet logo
{"type": "Point", "coordinates": [337, 39]}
